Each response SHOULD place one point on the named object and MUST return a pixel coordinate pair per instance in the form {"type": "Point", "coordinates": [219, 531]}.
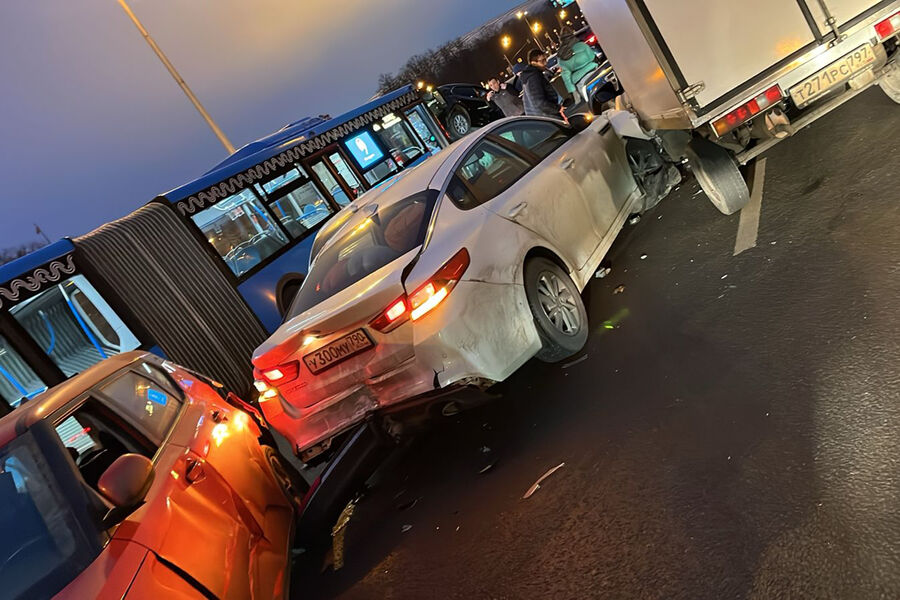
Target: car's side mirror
{"type": "Point", "coordinates": [125, 483]}
{"type": "Point", "coordinates": [581, 121]}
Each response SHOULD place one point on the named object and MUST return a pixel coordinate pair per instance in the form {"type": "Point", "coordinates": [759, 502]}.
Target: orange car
{"type": "Point", "coordinates": [139, 479]}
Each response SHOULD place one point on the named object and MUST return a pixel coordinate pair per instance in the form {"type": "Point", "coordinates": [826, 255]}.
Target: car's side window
{"type": "Point", "coordinates": [540, 137]}
{"type": "Point", "coordinates": [95, 437]}
{"type": "Point", "coordinates": [146, 405]}
{"type": "Point", "coordinates": [487, 171]}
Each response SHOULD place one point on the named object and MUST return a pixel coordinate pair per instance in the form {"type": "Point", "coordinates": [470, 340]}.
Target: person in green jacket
{"type": "Point", "coordinates": [576, 61]}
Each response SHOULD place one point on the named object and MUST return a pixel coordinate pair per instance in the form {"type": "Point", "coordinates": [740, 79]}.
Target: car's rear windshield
{"type": "Point", "coordinates": [389, 233]}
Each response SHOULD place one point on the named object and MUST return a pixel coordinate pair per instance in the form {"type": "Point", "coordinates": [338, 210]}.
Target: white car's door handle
{"type": "Point", "coordinates": [515, 210]}
{"type": "Point", "coordinates": [567, 163]}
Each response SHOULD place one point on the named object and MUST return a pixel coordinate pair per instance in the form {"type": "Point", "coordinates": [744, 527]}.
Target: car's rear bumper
{"type": "Point", "coordinates": [483, 332]}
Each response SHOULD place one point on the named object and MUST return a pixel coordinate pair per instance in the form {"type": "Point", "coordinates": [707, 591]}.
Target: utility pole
{"type": "Point", "coordinates": [178, 79]}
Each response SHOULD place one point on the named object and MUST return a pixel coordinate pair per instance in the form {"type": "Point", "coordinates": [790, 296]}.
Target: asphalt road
{"type": "Point", "coordinates": [733, 430]}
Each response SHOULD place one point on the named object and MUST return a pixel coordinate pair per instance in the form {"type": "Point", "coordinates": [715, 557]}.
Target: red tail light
{"type": "Point", "coordinates": [591, 40]}
{"type": "Point", "coordinates": [392, 317]}
{"type": "Point", "coordinates": [747, 110]}
{"type": "Point", "coordinates": [889, 26]}
{"type": "Point", "coordinates": [280, 374]}
{"type": "Point", "coordinates": [432, 292]}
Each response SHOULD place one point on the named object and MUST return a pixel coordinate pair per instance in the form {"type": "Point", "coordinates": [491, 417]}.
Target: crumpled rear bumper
{"type": "Point", "coordinates": [305, 428]}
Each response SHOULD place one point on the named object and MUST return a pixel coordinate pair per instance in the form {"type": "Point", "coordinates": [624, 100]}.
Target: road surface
{"type": "Point", "coordinates": [732, 429]}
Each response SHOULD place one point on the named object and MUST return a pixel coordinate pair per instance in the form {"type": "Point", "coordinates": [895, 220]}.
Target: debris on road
{"type": "Point", "coordinates": [408, 505]}
{"type": "Point", "coordinates": [619, 289]}
{"type": "Point", "coordinates": [405, 528]}
{"type": "Point", "coordinates": [338, 533]}
{"type": "Point", "coordinates": [484, 449]}
{"type": "Point", "coordinates": [643, 257]}
{"type": "Point", "coordinates": [575, 362]}
{"type": "Point", "coordinates": [602, 272]}
{"type": "Point", "coordinates": [487, 467]}
{"type": "Point", "coordinates": [725, 276]}
{"type": "Point", "coordinates": [537, 484]}
{"type": "Point", "coordinates": [634, 219]}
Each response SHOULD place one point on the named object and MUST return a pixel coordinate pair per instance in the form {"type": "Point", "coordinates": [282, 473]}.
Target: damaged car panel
{"type": "Point", "coordinates": [428, 288]}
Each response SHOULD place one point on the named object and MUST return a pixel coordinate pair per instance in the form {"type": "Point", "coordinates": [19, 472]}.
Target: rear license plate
{"type": "Point", "coordinates": [338, 351]}
{"type": "Point", "coordinates": [834, 74]}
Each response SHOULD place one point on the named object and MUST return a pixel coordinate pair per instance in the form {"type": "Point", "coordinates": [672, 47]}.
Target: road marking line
{"type": "Point", "coordinates": [748, 228]}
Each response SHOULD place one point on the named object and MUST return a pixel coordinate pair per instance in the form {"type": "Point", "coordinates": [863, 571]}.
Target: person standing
{"type": "Point", "coordinates": [540, 99]}
{"type": "Point", "coordinates": [505, 98]}
{"type": "Point", "coordinates": [576, 61]}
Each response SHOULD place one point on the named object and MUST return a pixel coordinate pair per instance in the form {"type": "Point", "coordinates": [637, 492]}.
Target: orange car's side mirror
{"type": "Point", "coordinates": [125, 483]}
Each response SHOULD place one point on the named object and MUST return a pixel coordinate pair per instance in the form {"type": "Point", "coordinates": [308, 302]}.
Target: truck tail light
{"type": "Point", "coordinates": [432, 292]}
{"type": "Point", "coordinates": [747, 110]}
{"type": "Point", "coordinates": [393, 316]}
{"type": "Point", "coordinates": [889, 26]}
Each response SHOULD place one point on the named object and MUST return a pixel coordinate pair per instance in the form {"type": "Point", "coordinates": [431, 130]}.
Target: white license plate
{"type": "Point", "coordinates": [338, 351]}
{"type": "Point", "coordinates": [834, 74]}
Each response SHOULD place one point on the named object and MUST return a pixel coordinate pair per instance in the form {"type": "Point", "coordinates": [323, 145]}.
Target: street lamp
{"type": "Point", "coordinates": [223, 139]}
{"type": "Point", "coordinates": [523, 15]}
{"type": "Point", "coordinates": [506, 42]}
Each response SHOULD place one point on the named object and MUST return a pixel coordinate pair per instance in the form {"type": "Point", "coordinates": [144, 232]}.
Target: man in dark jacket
{"type": "Point", "coordinates": [539, 96]}
{"type": "Point", "coordinates": [505, 97]}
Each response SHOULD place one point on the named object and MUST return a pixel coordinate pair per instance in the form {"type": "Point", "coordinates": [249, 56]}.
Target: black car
{"type": "Point", "coordinates": [460, 107]}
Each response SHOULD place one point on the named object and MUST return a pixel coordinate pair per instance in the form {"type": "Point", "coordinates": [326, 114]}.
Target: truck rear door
{"type": "Point", "coordinates": [726, 43]}
{"type": "Point", "coordinates": [843, 11]}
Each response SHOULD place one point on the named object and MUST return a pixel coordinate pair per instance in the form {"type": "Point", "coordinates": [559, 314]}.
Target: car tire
{"type": "Point", "coordinates": [718, 175]}
{"type": "Point", "coordinates": [292, 483]}
{"type": "Point", "coordinates": [459, 123]}
{"type": "Point", "coordinates": [557, 308]}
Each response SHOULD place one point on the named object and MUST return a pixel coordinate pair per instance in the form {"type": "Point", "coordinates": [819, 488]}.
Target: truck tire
{"type": "Point", "coordinates": [890, 83]}
{"type": "Point", "coordinates": [718, 175]}
{"type": "Point", "coordinates": [558, 310]}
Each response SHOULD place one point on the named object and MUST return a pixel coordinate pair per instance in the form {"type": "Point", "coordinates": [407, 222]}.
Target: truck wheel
{"type": "Point", "coordinates": [558, 310]}
{"type": "Point", "coordinates": [459, 123]}
{"type": "Point", "coordinates": [890, 83]}
{"type": "Point", "coordinates": [718, 175]}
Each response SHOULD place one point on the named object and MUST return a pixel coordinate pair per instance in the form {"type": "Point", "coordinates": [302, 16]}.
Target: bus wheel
{"type": "Point", "coordinates": [718, 175]}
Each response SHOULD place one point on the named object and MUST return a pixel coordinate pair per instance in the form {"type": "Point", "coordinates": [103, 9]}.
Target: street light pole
{"type": "Point", "coordinates": [179, 79]}
{"type": "Point", "coordinates": [531, 30]}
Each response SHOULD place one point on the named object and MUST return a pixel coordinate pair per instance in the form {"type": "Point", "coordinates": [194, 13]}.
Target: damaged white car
{"type": "Point", "coordinates": [456, 273]}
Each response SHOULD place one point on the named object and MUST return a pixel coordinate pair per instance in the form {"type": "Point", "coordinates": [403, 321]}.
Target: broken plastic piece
{"type": "Point", "coordinates": [537, 484]}
{"type": "Point", "coordinates": [619, 289]}
{"type": "Point", "coordinates": [405, 528]}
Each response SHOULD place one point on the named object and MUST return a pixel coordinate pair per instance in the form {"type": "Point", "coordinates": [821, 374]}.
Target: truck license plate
{"type": "Point", "coordinates": [834, 74]}
{"type": "Point", "coordinates": [338, 351]}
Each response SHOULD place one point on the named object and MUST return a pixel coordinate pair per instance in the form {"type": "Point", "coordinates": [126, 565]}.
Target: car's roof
{"type": "Point", "coordinates": [26, 415]}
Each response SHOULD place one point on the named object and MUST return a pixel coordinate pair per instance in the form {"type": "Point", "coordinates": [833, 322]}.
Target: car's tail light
{"type": "Point", "coordinates": [432, 292]}
{"type": "Point", "coordinates": [747, 110]}
{"type": "Point", "coordinates": [592, 39]}
{"type": "Point", "coordinates": [392, 317]}
{"type": "Point", "coordinates": [281, 374]}
{"type": "Point", "coordinates": [889, 26]}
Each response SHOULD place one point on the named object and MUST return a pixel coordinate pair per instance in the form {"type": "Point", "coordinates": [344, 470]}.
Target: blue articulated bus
{"type": "Point", "coordinates": [202, 274]}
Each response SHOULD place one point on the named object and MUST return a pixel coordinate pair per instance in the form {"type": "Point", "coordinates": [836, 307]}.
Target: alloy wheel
{"type": "Point", "coordinates": [558, 303]}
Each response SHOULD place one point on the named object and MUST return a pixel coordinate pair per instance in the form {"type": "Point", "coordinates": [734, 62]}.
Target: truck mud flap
{"type": "Point", "coordinates": [363, 451]}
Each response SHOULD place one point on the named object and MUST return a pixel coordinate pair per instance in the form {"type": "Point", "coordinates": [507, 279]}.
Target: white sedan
{"type": "Point", "coordinates": [454, 274]}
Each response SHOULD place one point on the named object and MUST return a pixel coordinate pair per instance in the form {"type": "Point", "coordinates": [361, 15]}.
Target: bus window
{"type": "Point", "coordinates": [346, 174]}
{"type": "Point", "coordinates": [241, 231]}
{"type": "Point", "coordinates": [397, 136]}
{"type": "Point", "coordinates": [331, 184]}
{"type": "Point", "coordinates": [17, 381]}
{"type": "Point", "coordinates": [422, 123]}
{"type": "Point", "coordinates": [74, 325]}
{"type": "Point", "coordinates": [294, 199]}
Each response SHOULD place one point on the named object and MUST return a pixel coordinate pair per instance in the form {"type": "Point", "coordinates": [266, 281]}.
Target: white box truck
{"type": "Point", "coordinates": [721, 81]}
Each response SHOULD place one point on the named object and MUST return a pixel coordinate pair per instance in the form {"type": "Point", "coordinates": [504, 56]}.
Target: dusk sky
{"type": "Point", "coordinates": [92, 126]}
